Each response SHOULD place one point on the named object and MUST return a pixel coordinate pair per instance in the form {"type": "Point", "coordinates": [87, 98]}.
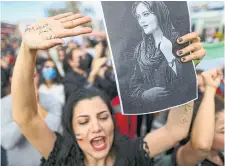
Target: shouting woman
{"type": "Point", "coordinates": [89, 133]}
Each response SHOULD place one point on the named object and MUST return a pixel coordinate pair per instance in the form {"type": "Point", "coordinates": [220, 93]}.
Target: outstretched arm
{"type": "Point", "coordinates": [199, 146]}
{"type": "Point", "coordinates": [43, 34]}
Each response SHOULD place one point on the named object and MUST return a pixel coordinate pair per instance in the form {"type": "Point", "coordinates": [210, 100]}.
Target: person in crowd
{"type": "Point", "coordinates": [90, 44]}
{"type": "Point", "coordinates": [4, 77]}
{"type": "Point", "coordinates": [79, 76]}
{"type": "Point", "coordinates": [3, 157]}
{"type": "Point", "coordinates": [201, 86]}
{"type": "Point", "coordinates": [148, 123]}
{"type": "Point", "coordinates": [217, 36]}
{"type": "Point", "coordinates": [19, 150]}
{"type": "Point", "coordinates": [15, 46]}
{"type": "Point", "coordinates": [52, 82]}
{"type": "Point", "coordinates": [89, 133]}
{"type": "Point", "coordinates": [60, 61]}
{"type": "Point", "coordinates": [105, 79]}
{"type": "Point", "coordinates": [205, 143]}
{"type": "Point", "coordinates": [207, 139]}
{"type": "Point", "coordinates": [88, 73]}
{"type": "Point", "coordinates": [71, 45]}
{"type": "Point", "coordinates": [6, 67]}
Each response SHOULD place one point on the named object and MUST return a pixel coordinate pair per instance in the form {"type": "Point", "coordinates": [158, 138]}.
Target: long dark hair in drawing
{"type": "Point", "coordinates": [156, 62]}
{"type": "Point", "coordinates": [161, 11]}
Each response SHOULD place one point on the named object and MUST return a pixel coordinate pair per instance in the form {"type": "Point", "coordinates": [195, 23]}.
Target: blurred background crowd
{"type": "Point", "coordinates": [84, 61]}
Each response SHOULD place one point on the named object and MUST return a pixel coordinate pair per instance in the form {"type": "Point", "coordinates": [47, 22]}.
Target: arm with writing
{"type": "Point", "coordinates": [202, 135]}
{"type": "Point", "coordinates": [25, 108]}
{"type": "Point", "coordinates": [172, 132]}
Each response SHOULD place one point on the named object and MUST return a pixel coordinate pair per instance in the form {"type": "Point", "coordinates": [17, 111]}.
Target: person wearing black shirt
{"type": "Point", "coordinates": [84, 73]}
{"type": "Point", "coordinates": [89, 131]}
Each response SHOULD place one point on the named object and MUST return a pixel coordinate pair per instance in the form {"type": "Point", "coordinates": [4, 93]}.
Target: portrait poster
{"type": "Point", "coordinates": [143, 38]}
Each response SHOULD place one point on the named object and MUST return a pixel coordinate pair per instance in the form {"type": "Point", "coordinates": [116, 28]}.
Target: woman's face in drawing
{"type": "Point", "coordinates": [147, 21]}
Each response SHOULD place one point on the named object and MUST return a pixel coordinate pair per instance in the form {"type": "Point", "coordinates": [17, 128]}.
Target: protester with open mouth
{"type": "Point", "coordinates": [90, 134]}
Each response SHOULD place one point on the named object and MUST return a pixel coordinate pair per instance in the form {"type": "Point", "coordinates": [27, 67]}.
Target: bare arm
{"type": "Point", "coordinates": [202, 134]}
{"type": "Point", "coordinates": [179, 118]}
{"type": "Point", "coordinates": [43, 34]}
{"type": "Point", "coordinates": [25, 110]}
{"type": "Point", "coordinates": [175, 130]}
{"type": "Point", "coordinates": [96, 65]}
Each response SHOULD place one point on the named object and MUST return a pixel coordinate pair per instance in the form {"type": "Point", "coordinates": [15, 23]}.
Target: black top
{"type": "Point", "coordinates": [130, 153]}
{"type": "Point", "coordinates": [74, 81]}
{"type": "Point", "coordinates": [203, 163]}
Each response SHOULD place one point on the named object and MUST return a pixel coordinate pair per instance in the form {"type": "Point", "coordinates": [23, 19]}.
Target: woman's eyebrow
{"type": "Point", "coordinates": [101, 112]}
{"type": "Point", "coordinates": [82, 116]}
{"type": "Point", "coordinates": [146, 12]}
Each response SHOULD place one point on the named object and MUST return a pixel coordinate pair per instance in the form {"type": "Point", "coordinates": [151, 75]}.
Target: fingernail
{"type": "Point", "coordinates": [183, 59]}
{"type": "Point", "coordinates": [179, 52]}
{"type": "Point", "coordinates": [180, 39]}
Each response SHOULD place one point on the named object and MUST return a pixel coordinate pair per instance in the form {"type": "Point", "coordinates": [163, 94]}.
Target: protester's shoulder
{"type": "Point", "coordinates": [53, 157]}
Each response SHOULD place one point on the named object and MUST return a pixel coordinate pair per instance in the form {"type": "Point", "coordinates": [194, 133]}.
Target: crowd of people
{"type": "Point", "coordinates": [79, 76]}
{"type": "Point", "coordinates": [213, 35]}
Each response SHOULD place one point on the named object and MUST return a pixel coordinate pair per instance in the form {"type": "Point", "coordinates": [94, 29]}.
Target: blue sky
{"type": "Point", "coordinates": [12, 12]}
{"type": "Point", "coordinates": [15, 11]}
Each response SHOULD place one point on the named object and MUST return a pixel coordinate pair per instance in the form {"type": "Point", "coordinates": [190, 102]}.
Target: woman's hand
{"type": "Point", "coordinates": [194, 51]}
{"type": "Point", "coordinates": [212, 78]}
{"type": "Point", "coordinates": [48, 32]}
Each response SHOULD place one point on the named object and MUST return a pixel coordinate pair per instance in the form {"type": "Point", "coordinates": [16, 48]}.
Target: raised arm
{"type": "Point", "coordinates": [43, 34]}
{"type": "Point", "coordinates": [172, 132]}
{"type": "Point", "coordinates": [199, 146]}
{"type": "Point", "coordinates": [179, 118]}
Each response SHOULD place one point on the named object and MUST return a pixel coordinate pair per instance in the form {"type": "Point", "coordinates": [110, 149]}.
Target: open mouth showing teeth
{"type": "Point", "coordinates": [98, 143]}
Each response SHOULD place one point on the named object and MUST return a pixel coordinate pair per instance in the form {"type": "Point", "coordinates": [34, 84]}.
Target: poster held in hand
{"type": "Point", "coordinates": [143, 39]}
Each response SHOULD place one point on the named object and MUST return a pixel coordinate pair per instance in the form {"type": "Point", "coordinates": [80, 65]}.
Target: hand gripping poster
{"type": "Point", "coordinates": [143, 38]}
